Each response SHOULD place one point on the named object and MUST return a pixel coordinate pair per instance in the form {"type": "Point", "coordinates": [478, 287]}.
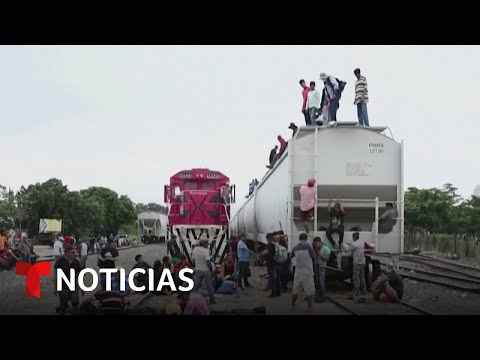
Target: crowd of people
{"type": "Point", "coordinates": [15, 248]}
{"type": "Point", "coordinates": [321, 108]}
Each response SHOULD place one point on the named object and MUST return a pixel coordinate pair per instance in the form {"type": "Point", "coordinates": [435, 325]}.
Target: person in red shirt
{"type": "Point", "coordinates": [283, 147]}
{"type": "Point", "coordinates": [3, 239]}
{"type": "Point", "coordinates": [182, 264]}
{"type": "Point", "coordinates": [305, 92]}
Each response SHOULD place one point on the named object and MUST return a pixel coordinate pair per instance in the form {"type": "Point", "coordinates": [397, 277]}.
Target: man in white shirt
{"type": "Point", "coordinates": [313, 102]}
{"type": "Point", "coordinates": [58, 248]}
{"type": "Point", "coordinates": [332, 92]}
{"type": "Point", "coordinates": [303, 279]}
{"type": "Point", "coordinates": [203, 266]}
{"type": "Point", "coordinates": [358, 252]}
{"type": "Point", "coordinates": [83, 253]}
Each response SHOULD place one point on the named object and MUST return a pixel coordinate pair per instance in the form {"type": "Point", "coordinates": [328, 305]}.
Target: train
{"type": "Point", "coordinates": [362, 167]}
{"type": "Point", "coordinates": [199, 202]}
{"type": "Point", "coordinates": [152, 227]}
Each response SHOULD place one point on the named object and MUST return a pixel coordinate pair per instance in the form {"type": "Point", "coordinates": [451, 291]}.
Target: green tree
{"type": "Point", "coordinates": [117, 210]}
{"type": "Point", "coordinates": [151, 207]}
{"type": "Point", "coordinates": [7, 208]}
{"type": "Point", "coordinates": [42, 201]}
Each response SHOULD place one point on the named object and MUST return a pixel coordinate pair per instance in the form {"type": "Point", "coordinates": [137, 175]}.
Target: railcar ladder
{"type": "Point", "coordinates": [295, 158]}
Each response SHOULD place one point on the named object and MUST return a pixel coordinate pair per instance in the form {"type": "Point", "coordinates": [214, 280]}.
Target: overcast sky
{"type": "Point", "coordinates": [128, 117]}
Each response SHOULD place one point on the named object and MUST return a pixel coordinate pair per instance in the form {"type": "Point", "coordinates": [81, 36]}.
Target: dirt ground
{"type": "Point", "coordinates": [256, 297]}
{"type": "Point", "coordinates": [435, 299]}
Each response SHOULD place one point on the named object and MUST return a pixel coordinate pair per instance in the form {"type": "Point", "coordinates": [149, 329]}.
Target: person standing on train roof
{"type": "Point", "coordinates": [305, 91]}
{"type": "Point", "coordinates": [361, 98]}
{"type": "Point", "coordinates": [313, 102]}
{"type": "Point", "coordinates": [308, 199]}
{"type": "Point", "coordinates": [333, 92]}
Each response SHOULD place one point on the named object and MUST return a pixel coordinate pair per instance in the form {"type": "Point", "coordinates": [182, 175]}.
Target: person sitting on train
{"type": "Point", "coordinates": [283, 147]}
{"type": "Point", "coordinates": [337, 213]}
{"type": "Point", "coordinates": [272, 155]}
{"type": "Point", "coordinates": [251, 187]}
{"type": "Point", "coordinates": [294, 128]}
{"type": "Point", "coordinates": [308, 199]}
{"type": "Point", "coordinates": [388, 219]}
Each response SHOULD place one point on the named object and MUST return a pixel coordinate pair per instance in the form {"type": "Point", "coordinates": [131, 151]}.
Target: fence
{"type": "Point", "coordinates": [462, 246]}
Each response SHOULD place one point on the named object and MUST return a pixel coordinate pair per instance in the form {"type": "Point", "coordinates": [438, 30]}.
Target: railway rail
{"type": "Point", "coordinates": [348, 307]}
{"type": "Point", "coordinates": [438, 271]}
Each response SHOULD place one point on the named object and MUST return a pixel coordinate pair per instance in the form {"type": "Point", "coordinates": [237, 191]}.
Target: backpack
{"type": "Point", "coordinates": [281, 254]}
{"type": "Point", "coordinates": [341, 84]}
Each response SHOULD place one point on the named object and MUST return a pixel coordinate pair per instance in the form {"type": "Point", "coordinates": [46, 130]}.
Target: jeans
{"type": "Point", "coordinates": [307, 117]}
{"type": "Point", "coordinates": [67, 296]}
{"type": "Point", "coordinates": [334, 104]}
{"type": "Point", "coordinates": [83, 261]}
{"type": "Point", "coordinates": [320, 289]}
{"type": "Point", "coordinates": [313, 114]}
{"type": "Point", "coordinates": [362, 114]}
{"type": "Point", "coordinates": [340, 231]}
{"type": "Point", "coordinates": [207, 277]}
{"type": "Point", "coordinates": [243, 267]}
{"type": "Point", "coordinates": [274, 279]}
{"type": "Point", "coordinates": [359, 284]}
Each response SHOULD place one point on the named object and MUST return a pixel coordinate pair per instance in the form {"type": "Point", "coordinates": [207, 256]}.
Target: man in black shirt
{"type": "Point", "coordinates": [294, 129]}
{"type": "Point", "coordinates": [108, 255]}
{"type": "Point", "coordinates": [65, 263]}
{"type": "Point", "coordinates": [274, 282]}
{"type": "Point", "coordinates": [273, 152]}
{"type": "Point", "coordinates": [106, 259]}
{"type": "Point", "coordinates": [141, 279]}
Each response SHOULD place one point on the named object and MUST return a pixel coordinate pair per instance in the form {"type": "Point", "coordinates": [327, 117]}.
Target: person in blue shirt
{"type": "Point", "coordinates": [243, 255]}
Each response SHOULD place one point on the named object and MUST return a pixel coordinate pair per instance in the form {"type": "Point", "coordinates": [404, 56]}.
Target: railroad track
{"type": "Point", "coordinates": [348, 307]}
{"type": "Point", "coordinates": [440, 272]}
{"type": "Point", "coordinates": [340, 305]}
{"type": "Point", "coordinates": [472, 273]}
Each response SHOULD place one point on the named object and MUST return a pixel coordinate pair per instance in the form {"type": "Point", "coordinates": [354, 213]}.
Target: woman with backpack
{"type": "Point", "coordinates": [333, 92]}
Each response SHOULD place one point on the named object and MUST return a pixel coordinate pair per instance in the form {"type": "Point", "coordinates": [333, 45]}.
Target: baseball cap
{"type": "Point", "coordinates": [69, 248]}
